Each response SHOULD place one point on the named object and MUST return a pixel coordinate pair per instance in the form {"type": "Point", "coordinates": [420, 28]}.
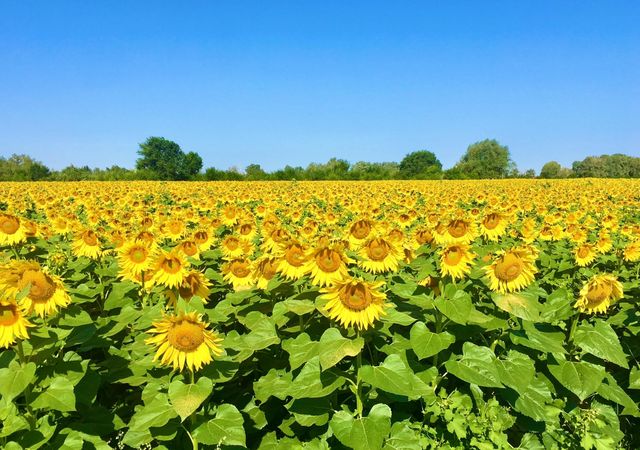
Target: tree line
{"type": "Point", "coordinates": [162, 159]}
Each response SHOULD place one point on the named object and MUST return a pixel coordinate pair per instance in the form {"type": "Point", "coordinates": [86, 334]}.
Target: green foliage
{"type": "Point", "coordinates": [420, 165]}
{"type": "Point", "coordinates": [553, 169]}
{"type": "Point", "coordinates": [608, 166]}
{"type": "Point", "coordinates": [485, 159]}
{"type": "Point", "coordinates": [166, 160]}
{"type": "Point", "coordinates": [22, 168]}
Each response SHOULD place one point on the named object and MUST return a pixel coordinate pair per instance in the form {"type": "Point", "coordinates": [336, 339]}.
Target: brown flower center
{"type": "Point", "coordinates": [138, 255]}
{"type": "Point", "coordinates": [361, 229]}
{"type": "Point", "coordinates": [42, 286]}
{"type": "Point", "coordinates": [8, 314]}
{"type": "Point", "coordinates": [240, 269]}
{"type": "Point", "coordinates": [356, 297]}
{"type": "Point", "coordinates": [453, 256]}
{"type": "Point", "coordinates": [328, 260]}
{"type": "Point", "coordinates": [90, 238]}
{"type": "Point", "coordinates": [598, 293]}
{"type": "Point", "coordinates": [186, 336]}
{"type": "Point", "coordinates": [509, 267]}
{"type": "Point", "coordinates": [491, 221]}
{"type": "Point", "coordinates": [295, 255]}
{"type": "Point", "coordinates": [231, 243]}
{"type": "Point", "coordinates": [189, 248]}
{"type": "Point", "coordinates": [9, 224]}
{"type": "Point", "coordinates": [171, 265]}
{"type": "Point", "coordinates": [201, 237]}
{"type": "Point", "coordinates": [378, 249]}
{"type": "Point", "coordinates": [583, 251]}
{"type": "Point", "coordinates": [245, 229]}
{"type": "Point", "coordinates": [424, 237]}
{"type": "Point", "coordinates": [268, 268]}
{"type": "Point", "coordinates": [457, 228]}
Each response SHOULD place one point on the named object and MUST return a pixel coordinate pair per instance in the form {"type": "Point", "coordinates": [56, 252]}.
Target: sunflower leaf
{"type": "Point", "coordinates": [187, 398]}
{"type": "Point", "coordinates": [334, 347]}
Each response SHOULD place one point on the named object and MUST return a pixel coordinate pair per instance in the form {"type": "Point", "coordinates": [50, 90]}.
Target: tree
{"type": "Point", "coordinates": [486, 159]}
{"type": "Point", "coordinates": [422, 164]}
{"type": "Point", "coordinates": [166, 160]}
{"type": "Point", "coordinates": [551, 169]}
{"type": "Point", "coordinates": [608, 166]}
{"type": "Point", "coordinates": [254, 172]}
{"type": "Point", "coordinates": [22, 168]}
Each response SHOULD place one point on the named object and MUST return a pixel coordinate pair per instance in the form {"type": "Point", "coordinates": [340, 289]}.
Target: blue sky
{"type": "Point", "coordinates": [278, 83]}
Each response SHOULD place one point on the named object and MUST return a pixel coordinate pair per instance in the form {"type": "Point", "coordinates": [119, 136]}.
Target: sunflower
{"type": "Point", "coordinates": [183, 340]}
{"type": "Point", "coordinates": [293, 261]}
{"type": "Point", "coordinates": [456, 231]}
{"type": "Point", "coordinates": [455, 260]}
{"type": "Point", "coordinates": [46, 292]}
{"type": "Point", "coordinates": [265, 269]}
{"type": "Point", "coordinates": [135, 257]}
{"type": "Point", "coordinates": [359, 231]}
{"type": "Point", "coordinates": [170, 269]}
{"type": "Point", "coordinates": [203, 239]}
{"type": "Point", "coordinates": [327, 264]}
{"type": "Point", "coordinates": [379, 255]}
{"type": "Point", "coordinates": [493, 226]}
{"type": "Point", "coordinates": [87, 244]}
{"type": "Point", "coordinates": [195, 283]}
{"type": "Point", "coordinates": [11, 230]}
{"type": "Point", "coordinates": [355, 302]}
{"type": "Point", "coordinates": [585, 254]}
{"type": "Point", "coordinates": [189, 248]}
{"type": "Point", "coordinates": [13, 324]}
{"type": "Point", "coordinates": [597, 294]}
{"type": "Point", "coordinates": [511, 271]}
{"type": "Point", "coordinates": [233, 247]}
{"type": "Point", "coordinates": [239, 272]}
{"type": "Point", "coordinates": [632, 251]}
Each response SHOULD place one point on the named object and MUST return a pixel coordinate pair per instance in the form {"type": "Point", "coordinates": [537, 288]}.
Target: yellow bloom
{"type": "Point", "coordinates": [512, 271]}
{"type": "Point", "coordinates": [327, 264]}
{"type": "Point", "coordinates": [597, 294]}
{"type": "Point", "coordinates": [379, 255]}
{"type": "Point", "coordinates": [455, 260]}
{"type": "Point", "coordinates": [355, 302]}
{"type": "Point", "coordinates": [238, 272]}
{"type": "Point", "coordinates": [87, 244]}
{"type": "Point", "coordinates": [11, 230]}
{"type": "Point", "coordinates": [183, 340]}
{"type": "Point", "coordinates": [585, 254]}
{"type": "Point", "coordinates": [135, 257]}
{"type": "Point", "coordinates": [632, 251]}
{"type": "Point", "coordinates": [170, 269]}
{"type": "Point", "coordinates": [292, 262]}
{"type": "Point", "coordinates": [13, 324]}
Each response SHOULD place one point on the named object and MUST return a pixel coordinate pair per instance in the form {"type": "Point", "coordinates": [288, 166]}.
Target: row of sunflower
{"type": "Point", "coordinates": [451, 281]}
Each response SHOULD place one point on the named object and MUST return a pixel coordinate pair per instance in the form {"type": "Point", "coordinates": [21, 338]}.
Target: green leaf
{"type": "Point", "coordinates": [581, 378]}
{"type": "Point", "coordinates": [534, 401]}
{"type": "Point", "coordinates": [601, 340]}
{"type": "Point", "coordinates": [187, 398]}
{"type": "Point", "coordinates": [516, 371]}
{"type": "Point", "coordinates": [634, 378]}
{"type": "Point", "coordinates": [393, 316]}
{"type": "Point", "coordinates": [333, 347]}
{"type": "Point", "coordinates": [59, 396]}
{"type": "Point", "coordinates": [541, 337]}
{"type": "Point", "coordinates": [299, 307]}
{"type": "Point", "coordinates": [15, 379]}
{"type": "Point", "coordinates": [365, 433]}
{"type": "Point", "coordinates": [402, 438]}
{"type": "Point", "coordinates": [301, 349]}
{"type": "Point", "coordinates": [312, 383]}
{"type": "Point", "coordinates": [156, 414]}
{"type": "Point", "coordinates": [225, 429]}
{"type": "Point", "coordinates": [610, 390]}
{"type": "Point", "coordinates": [520, 304]}
{"type": "Point", "coordinates": [394, 376]}
{"type": "Point", "coordinates": [558, 306]}
{"type": "Point", "coordinates": [477, 365]}
{"type": "Point", "coordinates": [425, 343]}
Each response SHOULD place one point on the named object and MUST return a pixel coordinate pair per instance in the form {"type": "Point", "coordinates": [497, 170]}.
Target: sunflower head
{"type": "Point", "coordinates": [183, 340]}
{"type": "Point", "coordinates": [511, 271]}
{"type": "Point", "coordinates": [598, 293]}
{"type": "Point", "coordinates": [13, 324]}
{"type": "Point", "coordinates": [355, 302]}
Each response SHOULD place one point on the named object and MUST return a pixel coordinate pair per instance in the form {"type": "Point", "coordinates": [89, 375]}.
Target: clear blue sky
{"type": "Point", "coordinates": [275, 83]}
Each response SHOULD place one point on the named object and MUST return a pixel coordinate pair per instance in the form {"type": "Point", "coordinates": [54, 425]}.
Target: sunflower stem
{"type": "Point", "coordinates": [359, 406]}
{"type": "Point", "coordinates": [438, 317]}
{"type": "Point", "coordinates": [574, 324]}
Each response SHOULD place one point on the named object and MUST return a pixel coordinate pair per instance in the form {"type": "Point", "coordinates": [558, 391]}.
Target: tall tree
{"type": "Point", "coordinates": [166, 160]}
{"type": "Point", "coordinates": [422, 164]}
{"type": "Point", "coordinates": [486, 159]}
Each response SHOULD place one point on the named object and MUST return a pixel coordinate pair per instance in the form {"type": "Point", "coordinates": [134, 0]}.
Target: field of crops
{"type": "Point", "coordinates": [395, 315]}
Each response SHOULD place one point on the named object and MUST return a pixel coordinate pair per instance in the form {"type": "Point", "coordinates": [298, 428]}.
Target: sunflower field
{"type": "Point", "coordinates": [320, 315]}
